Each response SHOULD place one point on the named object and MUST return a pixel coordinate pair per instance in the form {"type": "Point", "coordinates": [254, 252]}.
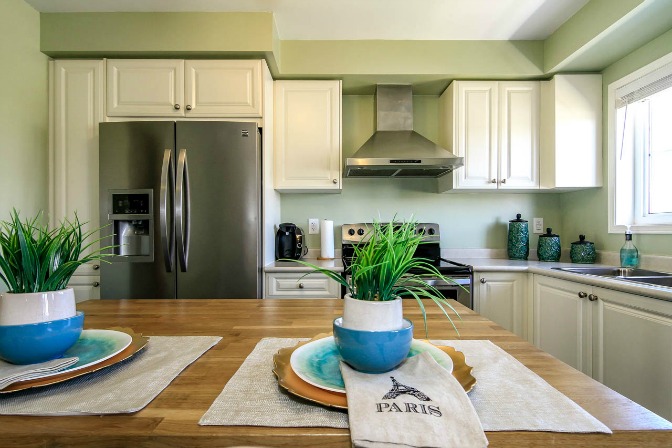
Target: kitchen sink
{"type": "Point", "coordinates": [627, 274]}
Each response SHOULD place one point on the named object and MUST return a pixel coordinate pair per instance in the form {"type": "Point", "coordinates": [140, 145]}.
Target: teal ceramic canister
{"type": "Point", "coordinates": [582, 251]}
{"type": "Point", "coordinates": [518, 246]}
{"type": "Point", "coordinates": [548, 248]}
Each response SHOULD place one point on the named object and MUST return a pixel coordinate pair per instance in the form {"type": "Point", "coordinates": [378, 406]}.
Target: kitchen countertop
{"type": "Point", "coordinates": [506, 265]}
{"type": "Point", "coordinates": [172, 418]}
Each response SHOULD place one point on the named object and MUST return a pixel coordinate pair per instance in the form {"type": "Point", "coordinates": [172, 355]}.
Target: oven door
{"type": "Point", "coordinates": [459, 289]}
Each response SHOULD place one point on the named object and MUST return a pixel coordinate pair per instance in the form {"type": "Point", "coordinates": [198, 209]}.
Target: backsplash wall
{"type": "Point", "coordinates": [467, 220]}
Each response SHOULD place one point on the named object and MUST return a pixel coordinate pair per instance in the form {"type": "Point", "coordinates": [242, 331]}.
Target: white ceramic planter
{"type": "Point", "coordinates": [371, 315]}
{"type": "Point", "coordinates": [30, 308]}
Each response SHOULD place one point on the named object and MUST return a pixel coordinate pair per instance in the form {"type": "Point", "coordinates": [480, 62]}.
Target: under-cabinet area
{"type": "Point", "coordinates": [618, 338]}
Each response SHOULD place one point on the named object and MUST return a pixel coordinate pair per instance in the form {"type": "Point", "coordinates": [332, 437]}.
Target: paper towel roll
{"type": "Point", "coordinates": [327, 239]}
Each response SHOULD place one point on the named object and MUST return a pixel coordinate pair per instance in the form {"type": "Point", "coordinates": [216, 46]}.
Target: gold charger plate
{"type": "Point", "coordinates": [290, 381]}
{"type": "Point", "coordinates": [138, 342]}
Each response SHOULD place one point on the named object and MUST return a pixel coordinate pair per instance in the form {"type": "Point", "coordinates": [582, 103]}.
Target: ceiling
{"type": "Point", "coordinates": [368, 19]}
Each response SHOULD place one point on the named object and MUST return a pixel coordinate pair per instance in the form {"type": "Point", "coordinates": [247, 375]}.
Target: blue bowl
{"type": "Point", "coordinates": [39, 342]}
{"type": "Point", "coordinates": [373, 351]}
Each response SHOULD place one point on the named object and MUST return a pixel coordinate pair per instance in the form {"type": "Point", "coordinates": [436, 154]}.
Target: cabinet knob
{"type": "Point", "coordinates": [483, 280]}
{"type": "Point", "coordinates": [592, 297]}
{"type": "Point", "coordinates": [176, 107]}
{"type": "Point", "coordinates": [301, 286]}
{"type": "Point", "coordinates": [188, 107]}
{"type": "Point", "coordinates": [335, 181]}
{"type": "Point", "coordinates": [493, 181]}
{"type": "Point", "coordinates": [582, 295]}
{"type": "Point", "coordinates": [96, 267]}
{"type": "Point", "coordinates": [503, 181]}
{"type": "Point", "coordinates": [96, 284]}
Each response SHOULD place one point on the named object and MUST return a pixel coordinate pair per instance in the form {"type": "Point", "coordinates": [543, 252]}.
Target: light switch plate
{"type": "Point", "coordinates": [538, 225]}
{"type": "Point", "coordinates": [313, 226]}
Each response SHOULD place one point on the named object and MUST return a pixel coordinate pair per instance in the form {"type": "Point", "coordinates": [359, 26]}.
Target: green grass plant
{"type": "Point", "coordinates": [34, 258]}
{"type": "Point", "coordinates": [381, 266]}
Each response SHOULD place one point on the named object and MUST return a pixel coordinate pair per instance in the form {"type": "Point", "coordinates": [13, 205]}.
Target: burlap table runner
{"type": "Point", "coordinates": [122, 388]}
{"type": "Point", "coordinates": [507, 397]}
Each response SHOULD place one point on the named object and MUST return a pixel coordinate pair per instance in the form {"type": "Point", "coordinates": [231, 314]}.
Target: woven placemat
{"type": "Point", "coordinates": [507, 397]}
{"type": "Point", "coordinates": [122, 388]}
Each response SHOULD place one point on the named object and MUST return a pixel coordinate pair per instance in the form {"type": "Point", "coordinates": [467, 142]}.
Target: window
{"type": "Point", "coordinates": [640, 150]}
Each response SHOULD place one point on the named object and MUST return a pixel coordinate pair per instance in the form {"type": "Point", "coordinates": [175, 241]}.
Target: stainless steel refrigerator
{"type": "Point", "coordinates": [182, 204]}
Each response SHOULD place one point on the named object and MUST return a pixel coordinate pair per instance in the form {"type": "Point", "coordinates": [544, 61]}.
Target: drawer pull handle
{"type": "Point", "coordinates": [483, 280]}
{"type": "Point", "coordinates": [176, 107]}
{"type": "Point", "coordinates": [301, 286]}
{"type": "Point", "coordinates": [583, 295]}
{"type": "Point", "coordinates": [96, 267]}
{"type": "Point", "coordinates": [96, 284]}
{"type": "Point", "coordinates": [592, 297]}
{"type": "Point", "coordinates": [188, 106]}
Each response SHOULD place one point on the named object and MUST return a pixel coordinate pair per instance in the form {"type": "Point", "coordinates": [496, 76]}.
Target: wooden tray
{"type": "Point", "coordinates": [290, 381]}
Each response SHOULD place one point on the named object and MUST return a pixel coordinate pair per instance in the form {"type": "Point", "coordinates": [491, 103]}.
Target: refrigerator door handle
{"type": "Point", "coordinates": [182, 205]}
{"type": "Point", "coordinates": [167, 187]}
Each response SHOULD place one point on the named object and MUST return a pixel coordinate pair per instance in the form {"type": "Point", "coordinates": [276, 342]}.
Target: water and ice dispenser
{"type": "Point", "coordinates": [132, 220]}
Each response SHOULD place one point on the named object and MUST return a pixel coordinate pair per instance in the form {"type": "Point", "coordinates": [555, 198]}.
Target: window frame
{"type": "Point", "coordinates": [632, 81]}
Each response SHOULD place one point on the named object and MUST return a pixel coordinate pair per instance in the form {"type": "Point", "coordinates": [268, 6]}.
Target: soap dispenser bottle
{"type": "Point", "coordinates": [629, 253]}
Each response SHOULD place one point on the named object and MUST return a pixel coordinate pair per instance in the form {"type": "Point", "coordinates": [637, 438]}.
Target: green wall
{"type": "Point", "coordinates": [23, 111]}
{"type": "Point", "coordinates": [586, 211]}
{"type": "Point", "coordinates": [468, 220]}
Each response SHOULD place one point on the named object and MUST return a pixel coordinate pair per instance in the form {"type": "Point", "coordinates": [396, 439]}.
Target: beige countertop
{"type": "Point", "coordinates": [506, 265]}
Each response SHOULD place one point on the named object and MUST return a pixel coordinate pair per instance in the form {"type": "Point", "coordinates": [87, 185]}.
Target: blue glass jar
{"type": "Point", "coordinates": [518, 245]}
{"type": "Point", "coordinates": [548, 247]}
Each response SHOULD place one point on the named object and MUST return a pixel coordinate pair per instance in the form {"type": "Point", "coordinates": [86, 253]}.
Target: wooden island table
{"type": "Point", "coordinates": [171, 420]}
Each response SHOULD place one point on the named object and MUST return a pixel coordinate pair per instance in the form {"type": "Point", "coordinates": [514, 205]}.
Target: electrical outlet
{"type": "Point", "coordinates": [313, 226]}
{"type": "Point", "coordinates": [538, 225]}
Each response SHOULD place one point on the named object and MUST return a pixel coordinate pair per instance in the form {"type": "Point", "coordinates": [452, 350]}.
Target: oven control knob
{"type": "Point", "coordinates": [431, 231]}
{"type": "Point", "coordinates": [351, 232]}
{"type": "Point", "coordinates": [360, 232]}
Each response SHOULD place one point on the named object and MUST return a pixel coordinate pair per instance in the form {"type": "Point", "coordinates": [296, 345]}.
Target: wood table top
{"type": "Point", "coordinates": [171, 420]}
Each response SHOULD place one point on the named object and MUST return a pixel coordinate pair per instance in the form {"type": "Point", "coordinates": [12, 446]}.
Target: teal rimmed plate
{"type": "Point", "coordinates": [317, 362]}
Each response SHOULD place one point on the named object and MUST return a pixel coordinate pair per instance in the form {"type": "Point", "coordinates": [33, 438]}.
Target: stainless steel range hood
{"type": "Point", "coordinates": [395, 149]}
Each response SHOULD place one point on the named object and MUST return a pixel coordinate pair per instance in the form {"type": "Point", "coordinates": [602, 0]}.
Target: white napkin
{"type": "Point", "coordinates": [11, 373]}
{"type": "Point", "coordinates": [419, 404]}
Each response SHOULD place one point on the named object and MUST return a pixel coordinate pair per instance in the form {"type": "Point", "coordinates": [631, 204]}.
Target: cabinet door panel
{"type": "Point", "coordinates": [562, 321]}
{"type": "Point", "coordinates": [223, 88]}
{"type": "Point", "coordinates": [142, 88]}
{"type": "Point", "coordinates": [633, 354]}
{"type": "Point", "coordinates": [476, 130]}
{"type": "Point", "coordinates": [308, 135]}
{"type": "Point", "coordinates": [519, 136]}
{"type": "Point", "coordinates": [502, 298]}
{"type": "Point", "coordinates": [77, 108]}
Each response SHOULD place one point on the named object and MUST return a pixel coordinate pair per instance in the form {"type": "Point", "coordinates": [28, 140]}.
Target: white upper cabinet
{"type": "Point", "coordinates": [178, 88]}
{"type": "Point", "coordinates": [494, 125]}
{"type": "Point", "coordinates": [308, 136]}
{"type": "Point", "coordinates": [75, 111]}
{"type": "Point", "coordinates": [571, 132]}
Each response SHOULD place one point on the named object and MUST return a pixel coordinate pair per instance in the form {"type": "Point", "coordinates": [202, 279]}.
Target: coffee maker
{"type": "Point", "coordinates": [289, 242]}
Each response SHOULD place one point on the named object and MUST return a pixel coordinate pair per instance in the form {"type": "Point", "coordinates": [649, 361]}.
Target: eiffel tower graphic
{"type": "Point", "coordinates": [401, 389]}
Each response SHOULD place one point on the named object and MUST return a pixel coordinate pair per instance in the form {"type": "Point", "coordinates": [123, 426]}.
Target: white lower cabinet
{"type": "Point", "coordinates": [86, 282]}
{"type": "Point", "coordinates": [632, 336]}
{"type": "Point", "coordinates": [562, 321]}
{"type": "Point", "coordinates": [291, 285]}
{"type": "Point", "coordinates": [502, 297]}
{"type": "Point", "coordinates": [620, 339]}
